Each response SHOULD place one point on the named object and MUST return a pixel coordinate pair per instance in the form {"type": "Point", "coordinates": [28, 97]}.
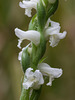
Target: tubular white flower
{"type": "Point", "coordinates": [31, 35]}
{"type": "Point", "coordinates": [28, 5]}
{"type": "Point", "coordinates": [33, 79]}
{"type": "Point", "coordinates": [55, 38]}
{"type": "Point", "coordinates": [51, 72]}
{"type": "Point", "coordinates": [53, 32]}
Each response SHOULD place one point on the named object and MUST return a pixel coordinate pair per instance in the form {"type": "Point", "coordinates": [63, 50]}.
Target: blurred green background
{"type": "Point", "coordinates": [62, 56]}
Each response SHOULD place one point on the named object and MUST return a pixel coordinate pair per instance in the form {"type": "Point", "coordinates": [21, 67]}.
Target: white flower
{"type": "Point", "coordinates": [28, 5]}
{"type": "Point", "coordinates": [31, 35]}
{"type": "Point", "coordinates": [20, 53]}
{"type": "Point", "coordinates": [33, 79]}
{"type": "Point", "coordinates": [53, 32]}
{"type": "Point", "coordinates": [51, 72]}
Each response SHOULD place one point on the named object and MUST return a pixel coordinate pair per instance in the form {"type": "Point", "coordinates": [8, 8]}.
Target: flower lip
{"type": "Point", "coordinates": [33, 79]}
{"type": "Point", "coordinates": [53, 33]}
{"type": "Point", "coordinates": [51, 72]}
{"type": "Point", "coordinates": [28, 5]}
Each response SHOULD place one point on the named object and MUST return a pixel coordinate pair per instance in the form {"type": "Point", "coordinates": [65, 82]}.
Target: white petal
{"type": "Point", "coordinates": [45, 68]}
{"type": "Point", "coordinates": [28, 5]}
{"type": "Point", "coordinates": [50, 81]}
{"type": "Point", "coordinates": [27, 84]}
{"type": "Point", "coordinates": [39, 76]}
{"type": "Point", "coordinates": [33, 79]}
{"type": "Point", "coordinates": [28, 72]}
{"type": "Point", "coordinates": [51, 72]}
{"type": "Point", "coordinates": [31, 35]}
{"type": "Point", "coordinates": [19, 43]}
{"type": "Point", "coordinates": [53, 33]}
{"type": "Point", "coordinates": [54, 24]}
{"type": "Point", "coordinates": [21, 5]}
{"type": "Point", "coordinates": [28, 12]}
{"type": "Point", "coordinates": [62, 35]}
{"type": "Point", "coordinates": [52, 30]}
{"type": "Point", "coordinates": [54, 40]}
{"type": "Point", "coordinates": [20, 53]}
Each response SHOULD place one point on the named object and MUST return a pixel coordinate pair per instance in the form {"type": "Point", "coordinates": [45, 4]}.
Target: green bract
{"type": "Point", "coordinates": [25, 59]}
{"type": "Point", "coordinates": [33, 23]}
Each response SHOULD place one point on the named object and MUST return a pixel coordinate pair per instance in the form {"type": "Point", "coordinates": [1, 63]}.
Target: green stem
{"type": "Point", "coordinates": [35, 94]}
{"type": "Point", "coordinates": [25, 94]}
{"type": "Point", "coordinates": [38, 52]}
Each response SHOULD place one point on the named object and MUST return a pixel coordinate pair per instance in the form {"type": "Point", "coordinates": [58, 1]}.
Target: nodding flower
{"type": "Point", "coordinates": [32, 35]}
{"type": "Point", "coordinates": [28, 5]}
{"type": "Point", "coordinates": [50, 72]}
{"type": "Point", "coordinates": [53, 33]}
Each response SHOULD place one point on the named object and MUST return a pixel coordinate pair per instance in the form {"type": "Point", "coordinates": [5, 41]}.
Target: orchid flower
{"type": "Point", "coordinates": [28, 5]}
{"type": "Point", "coordinates": [31, 35]}
{"type": "Point", "coordinates": [50, 72]}
{"type": "Point", "coordinates": [53, 32]}
{"type": "Point", "coordinates": [33, 79]}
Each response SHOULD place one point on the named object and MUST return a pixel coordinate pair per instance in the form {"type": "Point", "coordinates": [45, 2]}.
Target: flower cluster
{"type": "Point", "coordinates": [51, 32]}
{"type": "Point", "coordinates": [35, 79]}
